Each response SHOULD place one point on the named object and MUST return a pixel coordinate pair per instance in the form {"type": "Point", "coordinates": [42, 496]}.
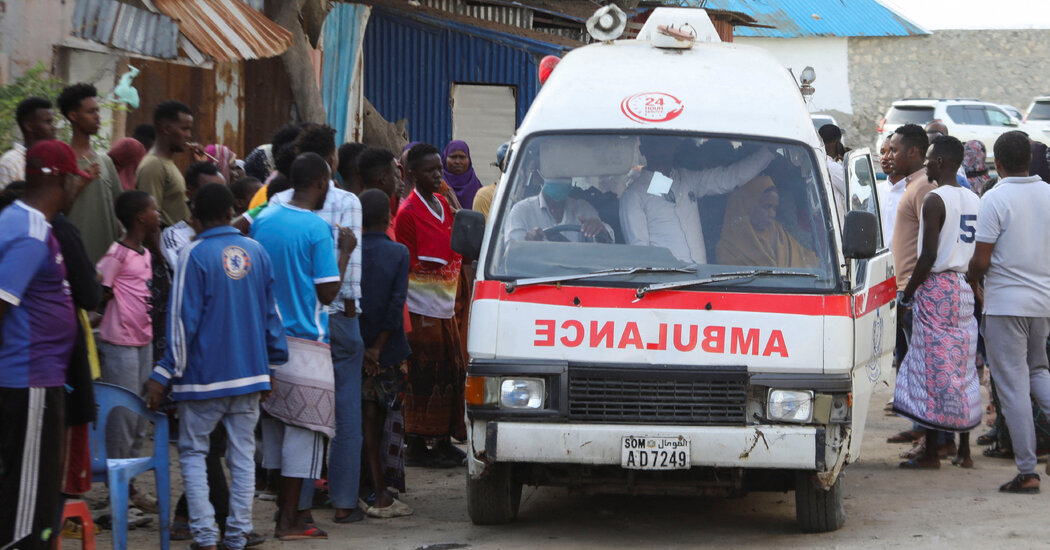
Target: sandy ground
{"type": "Point", "coordinates": [886, 508]}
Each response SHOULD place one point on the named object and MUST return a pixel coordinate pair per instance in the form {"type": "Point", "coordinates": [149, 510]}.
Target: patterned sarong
{"type": "Point", "coordinates": [304, 388]}
{"type": "Point", "coordinates": [937, 383]}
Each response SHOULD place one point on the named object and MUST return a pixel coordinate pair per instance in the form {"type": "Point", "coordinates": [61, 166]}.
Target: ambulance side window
{"type": "Point", "coordinates": [861, 185]}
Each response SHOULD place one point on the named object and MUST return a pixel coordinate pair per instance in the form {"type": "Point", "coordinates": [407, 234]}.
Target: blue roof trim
{"type": "Point", "coordinates": [795, 18]}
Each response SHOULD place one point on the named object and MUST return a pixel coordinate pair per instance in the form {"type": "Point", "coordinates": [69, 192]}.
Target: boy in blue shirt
{"type": "Point", "coordinates": [224, 335]}
{"type": "Point", "coordinates": [384, 288]}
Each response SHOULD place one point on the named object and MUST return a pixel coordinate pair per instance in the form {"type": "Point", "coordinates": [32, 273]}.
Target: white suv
{"type": "Point", "coordinates": [966, 119]}
{"type": "Point", "coordinates": [1037, 119]}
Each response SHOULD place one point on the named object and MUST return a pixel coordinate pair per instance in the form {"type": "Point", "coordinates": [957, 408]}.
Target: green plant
{"type": "Point", "coordinates": [37, 81]}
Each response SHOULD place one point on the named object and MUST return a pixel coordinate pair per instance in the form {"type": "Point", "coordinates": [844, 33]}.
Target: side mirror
{"type": "Point", "coordinates": [468, 230]}
{"type": "Point", "coordinates": [860, 235]}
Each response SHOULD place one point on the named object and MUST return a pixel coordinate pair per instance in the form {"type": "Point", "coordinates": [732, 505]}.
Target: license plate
{"type": "Point", "coordinates": [654, 453]}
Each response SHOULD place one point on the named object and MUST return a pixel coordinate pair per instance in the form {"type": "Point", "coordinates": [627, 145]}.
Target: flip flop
{"type": "Point", "coordinates": [913, 465]}
{"type": "Point", "coordinates": [308, 533]}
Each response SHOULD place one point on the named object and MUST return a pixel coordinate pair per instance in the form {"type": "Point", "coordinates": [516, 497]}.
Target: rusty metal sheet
{"type": "Point", "coordinates": [227, 30]}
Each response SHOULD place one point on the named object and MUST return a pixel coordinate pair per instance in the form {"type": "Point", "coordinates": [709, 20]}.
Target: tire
{"type": "Point", "coordinates": [817, 510]}
{"type": "Point", "coordinates": [493, 498]}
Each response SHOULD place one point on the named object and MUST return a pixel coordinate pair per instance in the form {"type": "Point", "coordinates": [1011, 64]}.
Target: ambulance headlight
{"type": "Point", "coordinates": [521, 393]}
{"type": "Point", "coordinates": [790, 406]}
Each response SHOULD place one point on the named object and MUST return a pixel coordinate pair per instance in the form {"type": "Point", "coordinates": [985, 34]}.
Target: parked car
{"type": "Point", "coordinates": [966, 119]}
{"type": "Point", "coordinates": [820, 119]}
{"type": "Point", "coordinates": [1037, 119]}
{"type": "Point", "coordinates": [1014, 112]}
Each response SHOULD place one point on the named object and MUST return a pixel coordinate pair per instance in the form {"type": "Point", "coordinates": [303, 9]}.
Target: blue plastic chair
{"type": "Point", "coordinates": [118, 472]}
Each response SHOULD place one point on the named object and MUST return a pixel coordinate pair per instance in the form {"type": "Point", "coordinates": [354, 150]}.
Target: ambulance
{"type": "Point", "coordinates": [671, 296]}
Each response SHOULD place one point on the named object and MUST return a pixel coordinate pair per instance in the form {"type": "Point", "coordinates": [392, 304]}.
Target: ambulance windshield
{"type": "Point", "coordinates": [582, 203]}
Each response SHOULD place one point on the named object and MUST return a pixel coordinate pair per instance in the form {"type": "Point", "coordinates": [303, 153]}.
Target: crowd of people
{"type": "Point", "coordinates": [302, 313]}
{"type": "Point", "coordinates": [304, 302]}
{"type": "Point", "coordinates": [973, 290]}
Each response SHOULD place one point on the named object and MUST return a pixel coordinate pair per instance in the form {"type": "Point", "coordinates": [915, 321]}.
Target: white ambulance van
{"type": "Point", "coordinates": [669, 297]}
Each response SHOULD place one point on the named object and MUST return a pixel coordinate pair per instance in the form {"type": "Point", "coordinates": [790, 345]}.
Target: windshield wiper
{"type": "Point", "coordinates": [721, 278]}
{"type": "Point", "coordinates": [601, 273]}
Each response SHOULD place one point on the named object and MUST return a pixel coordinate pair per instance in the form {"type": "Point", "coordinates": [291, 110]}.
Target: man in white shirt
{"type": "Point", "coordinates": [1013, 244]}
{"type": "Point", "coordinates": [35, 117]}
{"type": "Point", "coordinates": [653, 213]}
{"type": "Point", "coordinates": [174, 238]}
{"type": "Point", "coordinates": [831, 135]}
{"type": "Point", "coordinates": [890, 192]}
{"type": "Point", "coordinates": [553, 207]}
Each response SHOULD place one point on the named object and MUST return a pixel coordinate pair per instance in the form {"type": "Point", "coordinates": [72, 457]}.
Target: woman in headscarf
{"type": "Point", "coordinates": [126, 154]}
{"type": "Point", "coordinates": [459, 172]}
{"type": "Point", "coordinates": [222, 157]}
{"type": "Point", "coordinates": [976, 170]}
{"type": "Point", "coordinates": [751, 234]}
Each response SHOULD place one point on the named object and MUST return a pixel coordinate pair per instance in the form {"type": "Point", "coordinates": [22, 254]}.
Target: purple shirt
{"type": "Point", "coordinates": [40, 324]}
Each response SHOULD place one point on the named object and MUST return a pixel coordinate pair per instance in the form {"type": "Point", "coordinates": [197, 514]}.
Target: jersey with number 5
{"type": "Point", "coordinates": [957, 242]}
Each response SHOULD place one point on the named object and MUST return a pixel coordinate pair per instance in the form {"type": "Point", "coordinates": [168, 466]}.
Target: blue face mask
{"type": "Point", "coordinates": [557, 191]}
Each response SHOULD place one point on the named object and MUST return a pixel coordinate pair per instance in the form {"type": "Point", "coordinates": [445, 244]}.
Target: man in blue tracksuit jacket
{"type": "Point", "coordinates": [224, 332]}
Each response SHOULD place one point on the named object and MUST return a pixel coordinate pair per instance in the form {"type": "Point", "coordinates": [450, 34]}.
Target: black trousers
{"type": "Point", "coordinates": [32, 433]}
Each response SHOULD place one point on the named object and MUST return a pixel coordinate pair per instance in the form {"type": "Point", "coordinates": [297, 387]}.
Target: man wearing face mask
{"type": "Point", "coordinates": [553, 207]}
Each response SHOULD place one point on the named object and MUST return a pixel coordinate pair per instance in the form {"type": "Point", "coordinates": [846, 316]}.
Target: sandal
{"type": "Point", "coordinates": [396, 509]}
{"type": "Point", "coordinates": [912, 464]}
{"type": "Point", "coordinates": [1016, 485]}
{"type": "Point", "coordinates": [180, 530]}
{"type": "Point", "coordinates": [997, 452]}
{"type": "Point", "coordinates": [988, 437]}
{"type": "Point", "coordinates": [311, 532]}
{"type": "Point", "coordinates": [907, 436]}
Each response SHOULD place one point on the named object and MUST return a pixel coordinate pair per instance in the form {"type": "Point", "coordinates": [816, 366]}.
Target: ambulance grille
{"type": "Point", "coordinates": [702, 398]}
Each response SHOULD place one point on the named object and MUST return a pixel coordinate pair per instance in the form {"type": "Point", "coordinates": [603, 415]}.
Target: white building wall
{"type": "Point", "coordinates": [829, 57]}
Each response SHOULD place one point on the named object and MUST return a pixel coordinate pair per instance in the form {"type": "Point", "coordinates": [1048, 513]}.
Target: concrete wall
{"type": "Point", "coordinates": [1002, 66]}
{"type": "Point", "coordinates": [28, 31]}
{"type": "Point", "coordinates": [827, 56]}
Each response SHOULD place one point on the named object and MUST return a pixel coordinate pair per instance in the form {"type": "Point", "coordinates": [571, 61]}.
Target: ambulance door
{"type": "Point", "coordinates": [873, 297]}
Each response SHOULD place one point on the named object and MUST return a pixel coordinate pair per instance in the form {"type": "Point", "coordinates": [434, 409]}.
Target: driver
{"type": "Point", "coordinates": [553, 207]}
{"type": "Point", "coordinates": [652, 216]}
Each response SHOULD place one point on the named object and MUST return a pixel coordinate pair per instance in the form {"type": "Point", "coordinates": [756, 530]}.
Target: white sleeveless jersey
{"type": "Point", "coordinates": [958, 236]}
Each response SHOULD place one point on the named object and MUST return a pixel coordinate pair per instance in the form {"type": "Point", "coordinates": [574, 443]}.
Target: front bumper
{"type": "Point", "coordinates": [761, 446]}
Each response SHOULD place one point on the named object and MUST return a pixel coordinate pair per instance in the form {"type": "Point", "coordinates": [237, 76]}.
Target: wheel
{"type": "Point", "coordinates": [494, 497]}
{"type": "Point", "coordinates": [817, 510]}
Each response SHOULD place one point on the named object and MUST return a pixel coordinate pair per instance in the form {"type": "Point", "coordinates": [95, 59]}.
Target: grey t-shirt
{"type": "Point", "coordinates": [1014, 216]}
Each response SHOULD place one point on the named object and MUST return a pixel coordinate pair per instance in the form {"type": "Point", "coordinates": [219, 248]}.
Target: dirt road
{"type": "Point", "coordinates": [886, 508]}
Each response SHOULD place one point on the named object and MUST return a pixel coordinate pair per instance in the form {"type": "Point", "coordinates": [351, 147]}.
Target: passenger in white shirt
{"type": "Point", "coordinates": [671, 219]}
{"type": "Point", "coordinates": [553, 207]}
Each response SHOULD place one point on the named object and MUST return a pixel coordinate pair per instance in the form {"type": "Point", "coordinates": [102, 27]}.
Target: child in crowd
{"type": "Point", "coordinates": [384, 288]}
{"type": "Point", "coordinates": [126, 333]}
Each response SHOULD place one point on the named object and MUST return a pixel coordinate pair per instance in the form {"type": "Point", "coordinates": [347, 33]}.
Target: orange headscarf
{"type": "Point", "coordinates": [741, 244]}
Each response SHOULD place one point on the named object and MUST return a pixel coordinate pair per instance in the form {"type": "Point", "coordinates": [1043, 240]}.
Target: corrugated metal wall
{"type": "Point", "coordinates": [411, 62]}
{"type": "Point", "coordinates": [517, 17]}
